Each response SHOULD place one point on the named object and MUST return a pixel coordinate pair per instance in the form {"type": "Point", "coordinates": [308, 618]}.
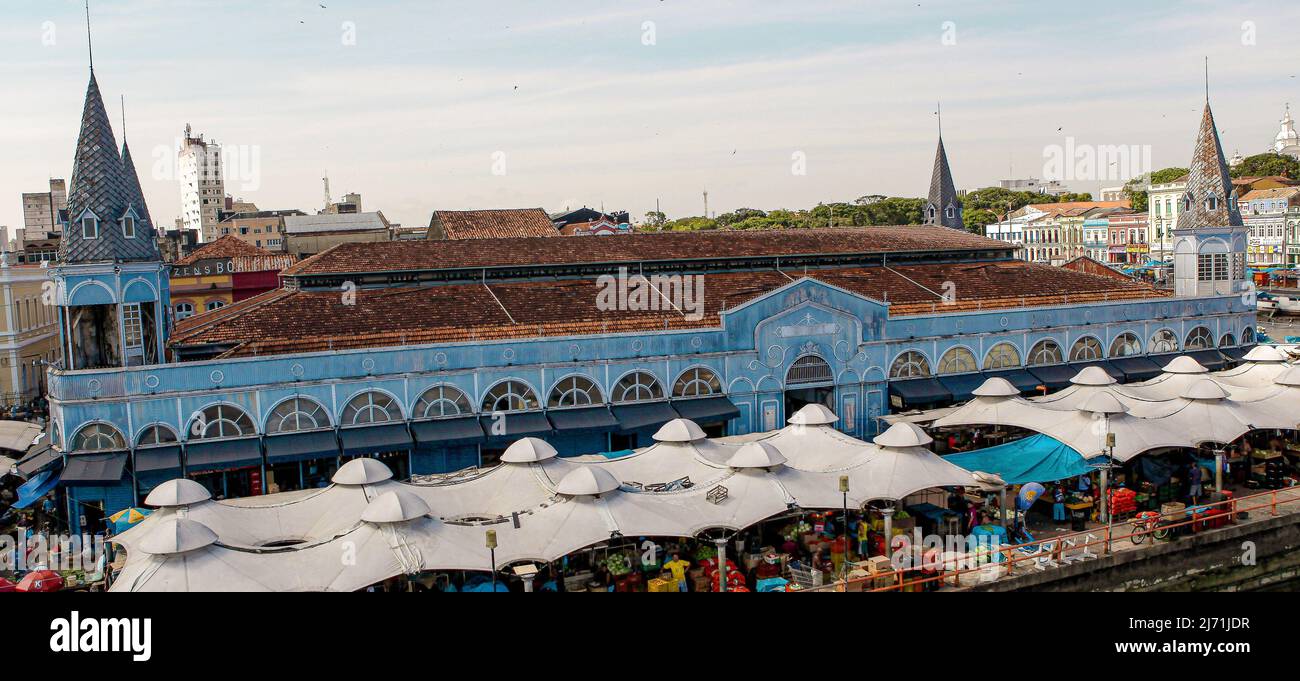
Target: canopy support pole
{"type": "Point", "coordinates": [722, 563]}
{"type": "Point", "coordinates": [889, 531]}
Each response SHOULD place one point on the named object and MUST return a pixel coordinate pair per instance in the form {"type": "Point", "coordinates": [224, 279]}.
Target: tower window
{"type": "Point", "coordinates": [89, 227]}
{"type": "Point", "coordinates": [949, 212]}
{"type": "Point", "coordinates": [1211, 202]}
{"type": "Point", "coordinates": [931, 212]}
{"type": "Point", "coordinates": [131, 325]}
{"type": "Point", "coordinates": [128, 227]}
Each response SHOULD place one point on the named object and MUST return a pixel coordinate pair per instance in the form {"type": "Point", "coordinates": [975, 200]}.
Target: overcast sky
{"type": "Point", "coordinates": [434, 100]}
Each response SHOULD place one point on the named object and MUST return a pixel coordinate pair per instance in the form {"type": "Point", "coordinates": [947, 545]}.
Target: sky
{"type": "Point", "coordinates": [421, 105]}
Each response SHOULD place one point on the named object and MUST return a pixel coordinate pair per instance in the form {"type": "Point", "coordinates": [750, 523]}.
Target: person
{"type": "Point", "coordinates": [864, 537]}
{"type": "Point", "coordinates": [678, 568]}
{"type": "Point", "coordinates": [1085, 485]}
{"type": "Point", "coordinates": [1058, 503]}
{"type": "Point", "coordinates": [1194, 482]}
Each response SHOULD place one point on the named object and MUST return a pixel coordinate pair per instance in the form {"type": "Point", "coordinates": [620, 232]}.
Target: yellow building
{"type": "Point", "coordinates": [29, 332]}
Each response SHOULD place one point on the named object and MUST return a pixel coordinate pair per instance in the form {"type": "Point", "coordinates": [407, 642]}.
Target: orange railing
{"type": "Point", "coordinates": [1012, 554]}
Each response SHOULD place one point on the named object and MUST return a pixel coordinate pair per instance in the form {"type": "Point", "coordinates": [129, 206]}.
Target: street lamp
{"type": "Point", "coordinates": [844, 490]}
{"type": "Point", "coordinates": [492, 550]}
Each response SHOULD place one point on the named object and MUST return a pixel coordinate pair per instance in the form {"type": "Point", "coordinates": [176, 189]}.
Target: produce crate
{"type": "Point", "coordinates": [661, 585]}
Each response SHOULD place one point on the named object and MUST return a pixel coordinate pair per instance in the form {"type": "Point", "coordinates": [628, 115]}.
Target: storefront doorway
{"type": "Point", "coordinates": [809, 381]}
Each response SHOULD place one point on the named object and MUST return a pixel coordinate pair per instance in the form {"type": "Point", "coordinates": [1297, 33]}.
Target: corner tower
{"type": "Point", "coordinates": [1209, 239]}
{"type": "Point", "coordinates": [942, 207]}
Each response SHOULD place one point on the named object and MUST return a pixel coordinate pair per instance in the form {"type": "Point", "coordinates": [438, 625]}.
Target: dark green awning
{"type": "Point", "coordinates": [94, 469]}
{"type": "Point", "coordinates": [917, 392]}
{"type": "Point", "coordinates": [391, 437]}
{"type": "Point", "coordinates": [591, 418]}
{"type": "Point", "coordinates": [149, 459]}
{"type": "Point", "coordinates": [216, 454]}
{"type": "Point", "coordinates": [961, 386]}
{"type": "Point", "coordinates": [1136, 368]}
{"type": "Point", "coordinates": [454, 431]}
{"type": "Point", "coordinates": [643, 414]}
{"type": "Point", "coordinates": [516, 424]}
{"type": "Point", "coordinates": [707, 409]}
{"type": "Point", "coordinates": [301, 446]}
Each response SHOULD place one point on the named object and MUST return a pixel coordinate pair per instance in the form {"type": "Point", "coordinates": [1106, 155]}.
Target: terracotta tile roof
{"type": "Point", "coordinates": [492, 224]}
{"type": "Point", "coordinates": [1066, 207]}
{"type": "Point", "coordinates": [289, 321]}
{"type": "Point", "coordinates": [1274, 193]}
{"type": "Point", "coordinates": [227, 246]}
{"type": "Point", "coordinates": [432, 254]}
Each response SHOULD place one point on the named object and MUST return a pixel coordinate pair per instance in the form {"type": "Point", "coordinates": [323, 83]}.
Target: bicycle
{"type": "Point", "coordinates": [1148, 522]}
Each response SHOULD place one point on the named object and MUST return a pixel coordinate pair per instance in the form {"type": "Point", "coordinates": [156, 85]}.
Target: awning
{"type": "Point", "coordinates": [1037, 458]}
{"type": "Point", "coordinates": [166, 458]}
{"type": "Point", "coordinates": [1024, 381]}
{"type": "Point", "coordinates": [592, 418]}
{"type": "Point", "coordinates": [960, 386]}
{"type": "Point", "coordinates": [1054, 376]}
{"type": "Point", "coordinates": [643, 414]}
{"type": "Point", "coordinates": [391, 437]}
{"type": "Point", "coordinates": [37, 460]}
{"type": "Point", "coordinates": [301, 446]}
{"type": "Point", "coordinates": [917, 391]}
{"type": "Point", "coordinates": [18, 436]}
{"type": "Point", "coordinates": [515, 424]}
{"type": "Point", "coordinates": [31, 491]}
{"type": "Point", "coordinates": [209, 454]}
{"type": "Point", "coordinates": [1235, 354]}
{"type": "Point", "coordinates": [455, 431]}
{"type": "Point", "coordinates": [1136, 368]}
{"type": "Point", "coordinates": [707, 409]}
{"type": "Point", "coordinates": [94, 469]}
{"type": "Point", "coordinates": [1210, 359]}
{"type": "Point", "coordinates": [1105, 365]}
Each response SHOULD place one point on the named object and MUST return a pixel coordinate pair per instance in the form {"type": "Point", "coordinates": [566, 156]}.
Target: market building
{"type": "Point", "coordinates": [222, 272]}
{"type": "Point", "coordinates": [435, 355]}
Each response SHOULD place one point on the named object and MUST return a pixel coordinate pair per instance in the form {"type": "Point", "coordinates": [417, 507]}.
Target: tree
{"type": "Point", "coordinates": [1267, 164]}
{"type": "Point", "coordinates": [1166, 175]}
{"type": "Point", "coordinates": [655, 219]}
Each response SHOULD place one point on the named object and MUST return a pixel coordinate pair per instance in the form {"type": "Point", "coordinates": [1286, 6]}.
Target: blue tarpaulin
{"type": "Point", "coordinates": [31, 491]}
{"type": "Point", "coordinates": [1037, 458]}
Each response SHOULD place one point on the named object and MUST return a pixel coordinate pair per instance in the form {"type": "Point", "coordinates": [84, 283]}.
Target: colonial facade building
{"type": "Point", "coordinates": [436, 354]}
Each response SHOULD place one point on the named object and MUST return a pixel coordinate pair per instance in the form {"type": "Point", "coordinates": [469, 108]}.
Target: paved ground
{"type": "Point", "coordinates": [1278, 328]}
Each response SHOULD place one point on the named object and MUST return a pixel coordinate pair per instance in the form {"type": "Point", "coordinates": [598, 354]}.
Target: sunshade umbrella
{"type": "Point", "coordinates": [41, 580]}
{"type": "Point", "coordinates": [127, 517]}
{"type": "Point", "coordinates": [6, 585]}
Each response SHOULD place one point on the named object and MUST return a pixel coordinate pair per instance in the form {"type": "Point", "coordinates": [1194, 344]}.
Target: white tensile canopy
{"type": "Point", "coordinates": [542, 507]}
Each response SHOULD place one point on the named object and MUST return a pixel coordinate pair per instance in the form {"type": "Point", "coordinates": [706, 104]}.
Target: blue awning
{"type": "Point", "coordinates": [960, 386]}
{"type": "Point", "coordinates": [217, 454]}
{"type": "Point", "coordinates": [1136, 368]}
{"type": "Point", "coordinates": [454, 431]}
{"type": "Point", "coordinates": [94, 469]}
{"type": "Point", "coordinates": [515, 424]}
{"type": "Point", "coordinates": [31, 491]}
{"type": "Point", "coordinates": [707, 409]}
{"type": "Point", "coordinates": [166, 458]}
{"type": "Point", "coordinates": [1105, 365]}
{"type": "Point", "coordinates": [643, 414]}
{"type": "Point", "coordinates": [917, 392]}
{"type": "Point", "coordinates": [1024, 381]}
{"type": "Point", "coordinates": [1037, 458]}
{"type": "Point", "coordinates": [365, 441]}
{"type": "Point", "coordinates": [592, 418]}
{"type": "Point", "coordinates": [301, 446]}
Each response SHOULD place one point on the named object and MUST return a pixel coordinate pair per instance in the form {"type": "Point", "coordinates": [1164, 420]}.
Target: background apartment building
{"type": "Point", "coordinates": [203, 189]}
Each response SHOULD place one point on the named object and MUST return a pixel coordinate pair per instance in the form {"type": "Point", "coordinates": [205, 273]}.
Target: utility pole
{"type": "Point", "coordinates": [706, 204]}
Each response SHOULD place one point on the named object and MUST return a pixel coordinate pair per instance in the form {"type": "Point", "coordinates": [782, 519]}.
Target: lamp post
{"type": "Point", "coordinates": [844, 490]}
{"type": "Point", "coordinates": [1218, 470]}
{"type": "Point", "coordinates": [492, 551]}
{"type": "Point", "coordinates": [1105, 484]}
{"type": "Point", "coordinates": [722, 563]}
{"type": "Point", "coordinates": [889, 531]}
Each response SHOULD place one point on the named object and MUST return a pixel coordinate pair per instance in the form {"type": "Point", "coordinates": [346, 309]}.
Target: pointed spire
{"type": "Point", "coordinates": [1210, 200]}
{"type": "Point", "coordinates": [942, 205]}
{"type": "Point", "coordinates": [100, 189]}
{"type": "Point", "coordinates": [90, 45]}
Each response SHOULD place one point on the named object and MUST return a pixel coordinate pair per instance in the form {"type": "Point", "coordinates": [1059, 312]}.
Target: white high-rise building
{"type": "Point", "coordinates": [1287, 140]}
{"type": "Point", "coordinates": [203, 189]}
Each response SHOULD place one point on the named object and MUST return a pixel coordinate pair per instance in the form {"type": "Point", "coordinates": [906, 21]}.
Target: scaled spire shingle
{"type": "Point", "coordinates": [1209, 201]}
{"type": "Point", "coordinates": [943, 194]}
{"type": "Point", "coordinates": [100, 186]}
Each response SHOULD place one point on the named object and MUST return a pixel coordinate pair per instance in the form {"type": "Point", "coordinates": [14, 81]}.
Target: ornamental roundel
{"type": "Point", "coordinates": [696, 342]}
{"type": "Point", "coordinates": [574, 350]}
{"type": "Point", "coordinates": [216, 376]}
{"type": "Point", "coordinates": [297, 370]}
{"type": "Point", "coordinates": [508, 354]}
{"type": "Point", "coordinates": [368, 365]}
{"type": "Point", "coordinates": [440, 359]}
{"type": "Point", "coordinates": [1003, 322]}
{"type": "Point", "coordinates": [93, 385]}
{"type": "Point", "coordinates": [151, 381]}
{"type": "Point", "coordinates": [637, 345]}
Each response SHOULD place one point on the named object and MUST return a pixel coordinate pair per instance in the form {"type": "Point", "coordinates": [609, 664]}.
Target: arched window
{"type": "Point", "coordinates": [1164, 341]}
{"type": "Point", "coordinates": [1248, 335]}
{"type": "Point", "coordinates": [957, 360]}
{"type": "Point", "coordinates": [1085, 349]}
{"type": "Point", "coordinates": [371, 406]}
{"type": "Point", "coordinates": [215, 305]}
{"type": "Point", "coordinates": [1002, 356]}
{"type": "Point", "coordinates": [574, 391]}
{"type": "Point", "coordinates": [931, 211]}
{"type": "Point", "coordinates": [128, 227]}
{"type": "Point", "coordinates": [1046, 351]}
{"type": "Point", "coordinates": [509, 395]}
{"type": "Point", "coordinates": [297, 413]}
{"type": "Point", "coordinates": [1125, 344]}
{"type": "Point", "coordinates": [90, 226]}
{"type": "Point", "coordinates": [1211, 202]}
{"type": "Point", "coordinates": [1227, 341]}
{"type": "Point", "coordinates": [949, 212]}
{"type": "Point", "coordinates": [98, 437]}
{"type": "Point", "coordinates": [157, 434]}
{"type": "Point", "coordinates": [809, 369]}
{"type": "Point", "coordinates": [184, 310]}
{"type": "Point", "coordinates": [697, 382]}
{"type": "Point", "coordinates": [220, 420]}
{"type": "Point", "coordinates": [910, 364]}
{"type": "Point", "coordinates": [1199, 338]}
{"type": "Point", "coordinates": [637, 386]}
{"type": "Point", "coordinates": [441, 401]}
